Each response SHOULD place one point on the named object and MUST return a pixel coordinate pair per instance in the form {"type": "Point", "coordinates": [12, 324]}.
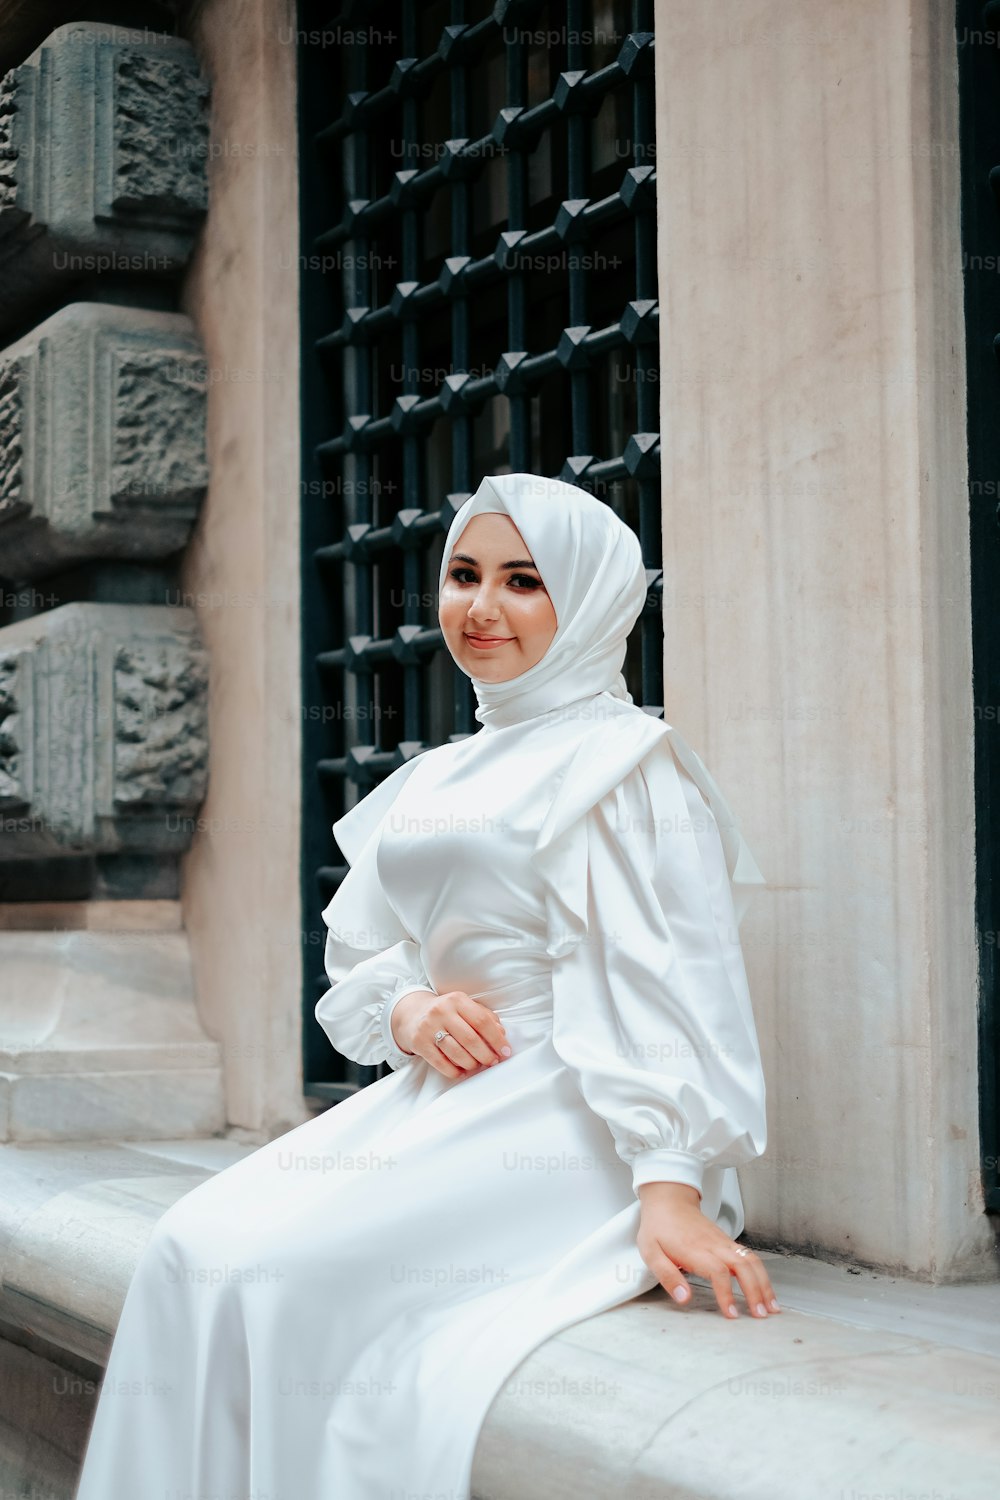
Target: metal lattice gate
{"type": "Point", "coordinates": [479, 294]}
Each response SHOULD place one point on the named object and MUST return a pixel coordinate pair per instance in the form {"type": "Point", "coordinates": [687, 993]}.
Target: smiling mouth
{"type": "Point", "coordinates": [487, 640]}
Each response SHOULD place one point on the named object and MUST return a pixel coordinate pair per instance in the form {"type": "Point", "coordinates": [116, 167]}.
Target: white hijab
{"type": "Point", "coordinates": [591, 565]}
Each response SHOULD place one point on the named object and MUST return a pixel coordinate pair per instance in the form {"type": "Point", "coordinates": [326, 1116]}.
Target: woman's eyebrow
{"type": "Point", "coordinates": [521, 563]}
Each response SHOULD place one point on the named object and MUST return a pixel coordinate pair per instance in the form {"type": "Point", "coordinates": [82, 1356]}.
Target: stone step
{"type": "Point", "coordinates": [100, 1038]}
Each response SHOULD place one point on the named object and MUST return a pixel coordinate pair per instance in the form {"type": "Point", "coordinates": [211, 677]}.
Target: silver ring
{"type": "Point", "coordinates": [439, 1036]}
{"type": "Point", "coordinates": [741, 1251]}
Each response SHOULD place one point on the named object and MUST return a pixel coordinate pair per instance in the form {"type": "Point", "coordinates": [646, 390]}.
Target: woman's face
{"type": "Point", "coordinates": [495, 612]}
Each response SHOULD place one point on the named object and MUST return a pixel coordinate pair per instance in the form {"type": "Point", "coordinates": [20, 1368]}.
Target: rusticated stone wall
{"type": "Point", "coordinates": [103, 681]}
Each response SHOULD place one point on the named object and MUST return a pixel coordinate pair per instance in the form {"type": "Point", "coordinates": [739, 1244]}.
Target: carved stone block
{"type": "Point", "coordinates": [102, 438]}
{"type": "Point", "coordinates": [103, 731]}
{"type": "Point", "coordinates": [103, 153]}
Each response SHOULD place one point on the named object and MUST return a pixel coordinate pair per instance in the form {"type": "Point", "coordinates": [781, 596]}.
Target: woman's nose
{"type": "Point", "coordinates": [484, 604]}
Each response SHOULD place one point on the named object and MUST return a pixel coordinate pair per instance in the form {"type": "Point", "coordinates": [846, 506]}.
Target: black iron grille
{"type": "Point", "coordinates": [479, 294]}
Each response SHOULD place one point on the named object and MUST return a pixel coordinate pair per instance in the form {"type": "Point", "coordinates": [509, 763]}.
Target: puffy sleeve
{"type": "Point", "coordinates": [652, 1011]}
{"type": "Point", "coordinates": [370, 958]}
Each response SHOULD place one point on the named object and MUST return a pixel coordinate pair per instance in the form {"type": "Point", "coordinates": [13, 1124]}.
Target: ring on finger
{"type": "Point", "coordinates": [439, 1036]}
{"type": "Point", "coordinates": [742, 1251]}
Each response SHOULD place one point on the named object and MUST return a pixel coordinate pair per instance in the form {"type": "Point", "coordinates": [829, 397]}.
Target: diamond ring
{"type": "Point", "coordinates": [439, 1036]}
{"type": "Point", "coordinates": [741, 1251]}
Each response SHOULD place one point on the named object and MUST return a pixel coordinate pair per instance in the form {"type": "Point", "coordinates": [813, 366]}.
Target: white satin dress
{"type": "Point", "coordinates": [331, 1317]}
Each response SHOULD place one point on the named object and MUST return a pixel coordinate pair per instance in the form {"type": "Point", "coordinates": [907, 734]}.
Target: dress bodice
{"type": "Point", "coordinates": [454, 860]}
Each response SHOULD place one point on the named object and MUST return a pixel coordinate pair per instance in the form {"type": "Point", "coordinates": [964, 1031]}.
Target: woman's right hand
{"type": "Point", "coordinates": [476, 1038]}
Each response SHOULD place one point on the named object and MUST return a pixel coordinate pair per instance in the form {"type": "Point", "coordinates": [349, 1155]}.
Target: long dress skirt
{"type": "Point", "coordinates": [331, 1317]}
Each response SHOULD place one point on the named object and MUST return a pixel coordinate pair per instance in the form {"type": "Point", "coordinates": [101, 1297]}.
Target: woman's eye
{"type": "Point", "coordinates": [461, 575]}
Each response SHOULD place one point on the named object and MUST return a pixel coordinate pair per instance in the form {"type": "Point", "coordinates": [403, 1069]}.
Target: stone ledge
{"type": "Point", "coordinates": [886, 1390]}
{"type": "Point", "coordinates": [655, 1402]}
{"type": "Point", "coordinates": [74, 1217]}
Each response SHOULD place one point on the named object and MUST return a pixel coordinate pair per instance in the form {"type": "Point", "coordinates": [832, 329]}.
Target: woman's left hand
{"type": "Point", "coordinates": [675, 1234]}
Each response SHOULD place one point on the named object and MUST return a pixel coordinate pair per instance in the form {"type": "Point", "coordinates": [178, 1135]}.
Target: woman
{"type": "Point", "coordinates": [539, 932]}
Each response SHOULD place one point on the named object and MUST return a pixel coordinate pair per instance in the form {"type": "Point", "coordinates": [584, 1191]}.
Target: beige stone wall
{"type": "Point", "coordinates": [817, 589]}
{"type": "Point", "coordinates": [241, 877]}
